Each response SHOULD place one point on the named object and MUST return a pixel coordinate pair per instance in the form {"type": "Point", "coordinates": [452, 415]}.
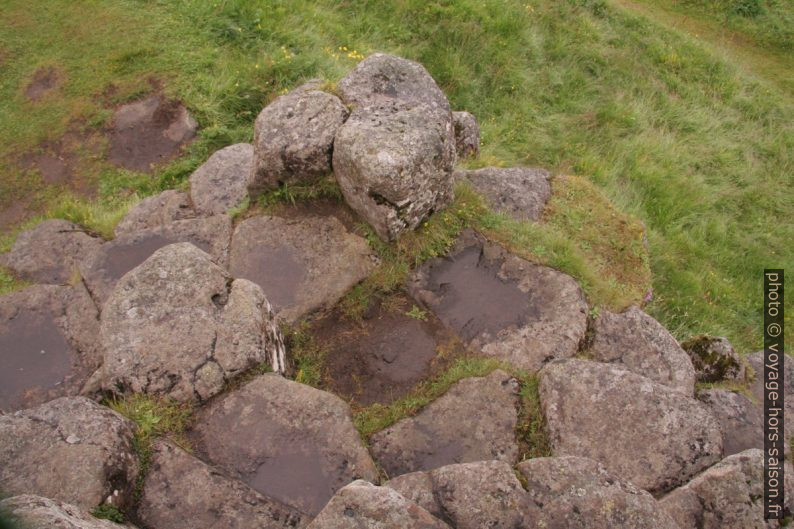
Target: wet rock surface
{"type": "Point", "coordinates": [221, 183]}
{"type": "Point", "coordinates": [740, 419]}
{"type": "Point", "coordinates": [49, 252]}
{"type": "Point", "coordinates": [155, 211]}
{"type": "Point", "coordinates": [579, 492]}
{"type": "Point", "coordinates": [501, 305]}
{"type": "Point", "coordinates": [467, 135]}
{"type": "Point", "coordinates": [658, 438]}
{"type": "Point", "coordinates": [148, 132]}
{"type": "Point", "coordinates": [474, 420]}
{"type": "Point", "coordinates": [302, 264]}
{"type": "Point", "coordinates": [69, 449]}
{"type": "Point", "coordinates": [294, 138]}
{"type": "Point", "coordinates": [47, 344]}
{"type": "Point", "coordinates": [365, 506]}
{"type": "Point", "coordinates": [381, 76]}
{"type": "Point", "coordinates": [714, 359]}
{"type": "Point", "coordinates": [471, 495]}
{"type": "Point", "coordinates": [207, 498]}
{"type": "Point", "coordinates": [288, 441]}
{"type": "Point", "coordinates": [179, 325]}
{"type": "Point", "coordinates": [394, 164]}
{"type": "Point", "coordinates": [729, 494]}
{"type": "Point", "coordinates": [105, 266]}
{"type": "Point", "coordinates": [383, 356]}
{"type": "Point", "coordinates": [30, 511]}
{"type": "Point", "coordinates": [519, 192]}
{"type": "Point", "coordinates": [640, 344]}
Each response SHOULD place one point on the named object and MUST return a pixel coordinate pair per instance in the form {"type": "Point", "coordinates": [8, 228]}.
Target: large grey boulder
{"type": "Point", "coordinates": [381, 76]}
{"type": "Point", "coordinates": [70, 449]}
{"type": "Point", "coordinates": [48, 344]}
{"type": "Point", "coordinates": [182, 492]}
{"type": "Point", "coordinates": [362, 505]}
{"type": "Point", "coordinates": [49, 252]}
{"type": "Point", "coordinates": [714, 359]}
{"type": "Point", "coordinates": [221, 183]}
{"type": "Point", "coordinates": [474, 420]}
{"type": "Point", "coordinates": [28, 511]}
{"type": "Point", "coordinates": [294, 137]}
{"type": "Point", "coordinates": [641, 431]}
{"type": "Point", "coordinates": [519, 192]}
{"type": "Point", "coordinates": [640, 344]}
{"type": "Point", "coordinates": [288, 441]}
{"type": "Point", "coordinates": [179, 325]}
{"type": "Point", "coordinates": [741, 420]}
{"type": "Point", "coordinates": [103, 267]}
{"type": "Point", "coordinates": [471, 495]}
{"type": "Point", "coordinates": [729, 494]}
{"type": "Point", "coordinates": [502, 305]}
{"type": "Point", "coordinates": [302, 264]}
{"type": "Point", "coordinates": [393, 161]}
{"type": "Point", "coordinates": [579, 492]}
{"type": "Point", "coordinates": [155, 211]}
{"type": "Point", "coordinates": [467, 135]}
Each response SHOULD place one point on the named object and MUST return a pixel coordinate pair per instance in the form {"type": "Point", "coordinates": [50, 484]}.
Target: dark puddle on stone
{"type": "Point", "coordinates": [382, 357]}
{"type": "Point", "coordinates": [277, 269]}
{"type": "Point", "coordinates": [35, 358]}
{"type": "Point", "coordinates": [122, 258]}
{"type": "Point", "coordinates": [473, 299]}
{"type": "Point", "coordinates": [295, 478]}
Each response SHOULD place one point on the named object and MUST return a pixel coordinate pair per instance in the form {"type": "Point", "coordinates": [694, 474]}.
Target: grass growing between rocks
{"type": "Point", "coordinates": [155, 417]}
{"type": "Point", "coordinates": [672, 132]}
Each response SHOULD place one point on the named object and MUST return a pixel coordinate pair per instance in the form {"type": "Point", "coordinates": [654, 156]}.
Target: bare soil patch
{"type": "Point", "coordinates": [45, 80]}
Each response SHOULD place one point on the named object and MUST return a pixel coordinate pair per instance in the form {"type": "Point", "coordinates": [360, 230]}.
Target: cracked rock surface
{"type": "Point", "coordinates": [301, 264]}
{"type": "Point", "coordinates": [30, 511]}
{"type": "Point", "coordinates": [49, 252]}
{"type": "Point", "coordinates": [657, 437]}
{"type": "Point", "coordinates": [70, 449]}
{"type": "Point", "coordinates": [364, 506]}
{"type": "Point", "coordinates": [640, 344]}
{"type": "Point", "coordinates": [103, 267]}
{"type": "Point", "coordinates": [179, 325]}
{"type": "Point", "coordinates": [48, 344]}
{"type": "Point", "coordinates": [475, 420]}
{"type": "Point", "coordinates": [467, 135]}
{"type": "Point", "coordinates": [207, 497]}
{"type": "Point", "coordinates": [288, 441]}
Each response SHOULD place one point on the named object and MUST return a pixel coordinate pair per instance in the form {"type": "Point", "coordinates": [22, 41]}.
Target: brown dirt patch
{"type": "Point", "coordinates": [45, 81]}
{"type": "Point", "coordinates": [385, 355]}
{"type": "Point", "coordinates": [148, 132]}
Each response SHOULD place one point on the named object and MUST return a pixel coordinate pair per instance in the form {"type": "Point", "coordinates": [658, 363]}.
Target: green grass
{"type": "Point", "coordinates": [154, 417]}
{"type": "Point", "coordinates": [695, 147]}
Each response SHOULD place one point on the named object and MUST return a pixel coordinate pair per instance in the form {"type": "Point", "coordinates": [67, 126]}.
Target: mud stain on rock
{"type": "Point", "coordinates": [472, 297]}
{"type": "Point", "coordinates": [148, 132]}
{"type": "Point", "coordinates": [384, 356]}
{"type": "Point", "coordinates": [35, 359]}
{"type": "Point", "coordinates": [45, 80]}
{"type": "Point", "coordinates": [277, 269]}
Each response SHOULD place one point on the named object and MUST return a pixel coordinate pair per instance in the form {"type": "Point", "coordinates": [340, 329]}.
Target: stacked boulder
{"type": "Point", "coordinates": [186, 303]}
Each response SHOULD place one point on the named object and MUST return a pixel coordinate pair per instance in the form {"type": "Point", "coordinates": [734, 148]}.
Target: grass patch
{"type": "Point", "coordinates": [9, 283]}
{"type": "Point", "coordinates": [291, 193]}
{"type": "Point", "coordinates": [307, 354]}
{"type": "Point", "coordinates": [108, 511]}
{"type": "Point", "coordinates": [155, 417]}
{"type": "Point", "coordinates": [533, 440]}
{"type": "Point", "coordinates": [98, 217]}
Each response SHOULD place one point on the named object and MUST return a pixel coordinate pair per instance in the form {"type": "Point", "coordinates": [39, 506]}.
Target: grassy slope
{"type": "Point", "coordinates": [694, 147]}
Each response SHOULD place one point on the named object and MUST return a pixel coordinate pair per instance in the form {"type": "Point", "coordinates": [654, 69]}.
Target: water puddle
{"type": "Point", "coordinates": [473, 299]}
{"type": "Point", "coordinates": [277, 269]}
{"type": "Point", "coordinates": [295, 478]}
{"type": "Point", "coordinates": [35, 359]}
